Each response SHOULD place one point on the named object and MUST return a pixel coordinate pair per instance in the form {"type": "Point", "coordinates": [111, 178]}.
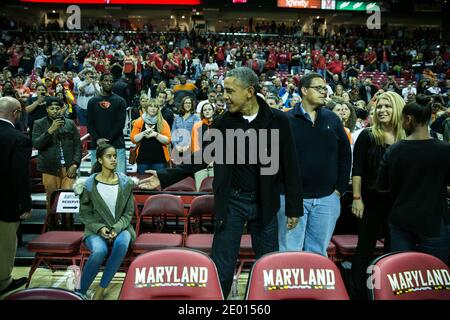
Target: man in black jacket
{"type": "Point", "coordinates": [15, 193]}
{"type": "Point", "coordinates": [323, 147]}
{"type": "Point", "coordinates": [245, 192]}
{"type": "Point", "coordinates": [58, 142]}
{"type": "Point", "coordinates": [106, 116]}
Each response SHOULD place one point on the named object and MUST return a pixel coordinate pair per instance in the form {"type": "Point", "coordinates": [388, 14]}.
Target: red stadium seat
{"type": "Point", "coordinates": [54, 245]}
{"type": "Point", "coordinates": [295, 276]}
{"type": "Point", "coordinates": [346, 246]}
{"type": "Point", "coordinates": [158, 209]}
{"type": "Point", "coordinates": [201, 211]}
{"type": "Point", "coordinates": [44, 294]}
{"type": "Point", "coordinates": [187, 184]}
{"type": "Point", "coordinates": [172, 274]}
{"type": "Point", "coordinates": [409, 276]}
{"type": "Point", "coordinates": [207, 185]}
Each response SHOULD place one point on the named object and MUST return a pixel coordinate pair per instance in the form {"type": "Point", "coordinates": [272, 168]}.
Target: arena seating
{"type": "Point", "coordinates": [193, 276]}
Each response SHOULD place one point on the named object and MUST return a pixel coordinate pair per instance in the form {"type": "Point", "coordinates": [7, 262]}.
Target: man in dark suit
{"type": "Point", "coordinates": [245, 192]}
{"type": "Point", "coordinates": [15, 193]}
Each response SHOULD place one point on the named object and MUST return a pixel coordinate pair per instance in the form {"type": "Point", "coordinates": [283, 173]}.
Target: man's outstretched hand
{"type": "Point", "coordinates": [150, 183]}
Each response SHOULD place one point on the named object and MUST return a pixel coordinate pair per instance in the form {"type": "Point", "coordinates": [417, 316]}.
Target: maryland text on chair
{"type": "Point", "coordinates": [409, 276]}
{"type": "Point", "coordinates": [295, 276]}
{"type": "Point", "coordinates": [172, 274]}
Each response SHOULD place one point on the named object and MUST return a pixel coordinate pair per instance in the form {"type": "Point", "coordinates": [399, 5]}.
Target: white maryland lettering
{"type": "Point", "coordinates": [206, 311]}
{"type": "Point", "coordinates": [297, 276]}
{"type": "Point", "coordinates": [418, 279]}
{"type": "Point", "coordinates": [170, 274]}
{"type": "Point", "coordinates": [297, 3]}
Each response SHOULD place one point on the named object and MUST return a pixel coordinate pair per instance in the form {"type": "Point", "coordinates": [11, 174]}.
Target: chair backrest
{"type": "Point", "coordinates": [44, 294]}
{"type": "Point", "coordinates": [202, 205]}
{"type": "Point", "coordinates": [187, 184]}
{"type": "Point", "coordinates": [409, 276]}
{"type": "Point", "coordinates": [206, 185]}
{"type": "Point", "coordinates": [172, 274]}
{"type": "Point", "coordinates": [201, 214]}
{"type": "Point", "coordinates": [163, 204]}
{"type": "Point", "coordinates": [295, 276]}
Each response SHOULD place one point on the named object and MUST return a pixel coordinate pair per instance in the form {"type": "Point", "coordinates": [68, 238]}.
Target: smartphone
{"type": "Point", "coordinates": [61, 118]}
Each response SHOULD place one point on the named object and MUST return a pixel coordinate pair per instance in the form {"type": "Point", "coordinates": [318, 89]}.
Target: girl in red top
{"type": "Point", "coordinates": [102, 64]}
{"type": "Point", "coordinates": [220, 55]}
{"type": "Point", "coordinates": [129, 64]}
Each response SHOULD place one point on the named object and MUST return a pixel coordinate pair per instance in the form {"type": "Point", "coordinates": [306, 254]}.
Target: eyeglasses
{"type": "Point", "coordinates": [320, 88]}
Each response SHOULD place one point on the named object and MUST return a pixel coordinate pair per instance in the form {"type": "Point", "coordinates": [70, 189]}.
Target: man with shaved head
{"type": "Point", "coordinates": [15, 193]}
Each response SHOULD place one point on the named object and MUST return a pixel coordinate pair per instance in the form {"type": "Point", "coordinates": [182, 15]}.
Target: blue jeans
{"type": "Point", "coordinates": [99, 251]}
{"type": "Point", "coordinates": [121, 160]}
{"type": "Point", "coordinates": [403, 240]}
{"type": "Point", "coordinates": [242, 208]}
{"type": "Point", "coordinates": [314, 230]}
{"type": "Point", "coordinates": [283, 67]}
{"type": "Point", "coordinates": [141, 167]}
{"type": "Point", "coordinates": [296, 70]}
{"type": "Point", "coordinates": [82, 116]}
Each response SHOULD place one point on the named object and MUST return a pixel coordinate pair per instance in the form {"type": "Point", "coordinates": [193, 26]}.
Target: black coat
{"type": "Point", "coordinates": [15, 193]}
{"type": "Point", "coordinates": [288, 175]}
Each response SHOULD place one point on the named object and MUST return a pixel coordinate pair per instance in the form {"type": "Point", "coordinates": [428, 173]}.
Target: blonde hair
{"type": "Point", "coordinates": [160, 119]}
{"type": "Point", "coordinates": [397, 103]}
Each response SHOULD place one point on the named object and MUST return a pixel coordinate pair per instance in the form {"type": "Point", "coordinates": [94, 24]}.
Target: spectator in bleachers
{"type": "Point", "coordinates": [16, 189]}
{"type": "Point", "coordinates": [220, 105]}
{"type": "Point", "coordinates": [152, 133]}
{"type": "Point", "coordinates": [211, 100]}
{"type": "Point", "coordinates": [324, 153]}
{"type": "Point", "coordinates": [182, 125]}
{"type": "Point", "coordinates": [337, 106]}
{"type": "Point", "coordinates": [166, 110]}
{"type": "Point", "coordinates": [367, 90]}
{"type": "Point", "coordinates": [391, 85]}
{"type": "Point", "coordinates": [58, 142]}
{"type": "Point", "coordinates": [207, 114]}
{"type": "Point", "coordinates": [87, 89]}
{"type": "Point", "coordinates": [369, 205]}
{"type": "Point", "coordinates": [106, 209]}
{"type": "Point", "coordinates": [416, 172]}
{"type": "Point", "coordinates": [106, 116]}
{"type": "Point", "coordinates": [36, 106]}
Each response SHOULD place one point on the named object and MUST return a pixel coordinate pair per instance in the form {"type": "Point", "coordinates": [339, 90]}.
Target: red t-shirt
{"type": "Point", "coordinates": [283, 58]}
{"type": "Point", "coordinates": [335, 67]}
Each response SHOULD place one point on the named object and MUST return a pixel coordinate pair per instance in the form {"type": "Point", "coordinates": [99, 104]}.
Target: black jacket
{"type": "Point", "coordinates": [47, 144]}
{"type": "Point", "coordinates": [288, 174]}
{"type": "Point", "coordinates": [15, 193]}
{"type": "Point", "coordinates": [324, 151]}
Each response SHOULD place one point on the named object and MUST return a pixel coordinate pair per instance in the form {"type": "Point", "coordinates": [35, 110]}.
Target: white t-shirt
{"type": "Point", "coordinates": [109, 192]}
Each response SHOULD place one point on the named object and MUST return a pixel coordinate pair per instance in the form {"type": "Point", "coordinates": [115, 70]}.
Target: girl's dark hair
{"type": "Point", "coordinates": [100, 152]}
{"type": "Point", "coordinates": [420, 109]}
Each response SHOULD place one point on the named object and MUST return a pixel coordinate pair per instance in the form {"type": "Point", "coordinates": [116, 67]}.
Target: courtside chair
{"type": "Point", "coordinates": [172, 274]}
{"type": "Point", "coordinates": [409, 276]}
{"type": "Point", "coordinates": [295, 275]}
{"type": "Point", "coordinates": [159, 210]}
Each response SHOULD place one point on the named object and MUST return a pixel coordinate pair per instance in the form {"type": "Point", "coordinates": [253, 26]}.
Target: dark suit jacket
{"type": "Point", "coordinates": [270, 186]}
{"type": "Point", "coordinates": [363, 92]}
{"type": "Point", "coordinates": [15, 181]}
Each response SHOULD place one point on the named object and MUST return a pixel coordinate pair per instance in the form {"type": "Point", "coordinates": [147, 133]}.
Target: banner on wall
{"type": "Point", "coordinates": [300, 4]}
{"type": "Point", "coordinates": [355, 6]}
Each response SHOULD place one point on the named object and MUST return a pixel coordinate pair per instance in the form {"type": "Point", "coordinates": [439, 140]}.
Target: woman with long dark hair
{"type": "Point", "coordinates": [369, 205]}
{"type": "Point", "coordinates": [106, 209]}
